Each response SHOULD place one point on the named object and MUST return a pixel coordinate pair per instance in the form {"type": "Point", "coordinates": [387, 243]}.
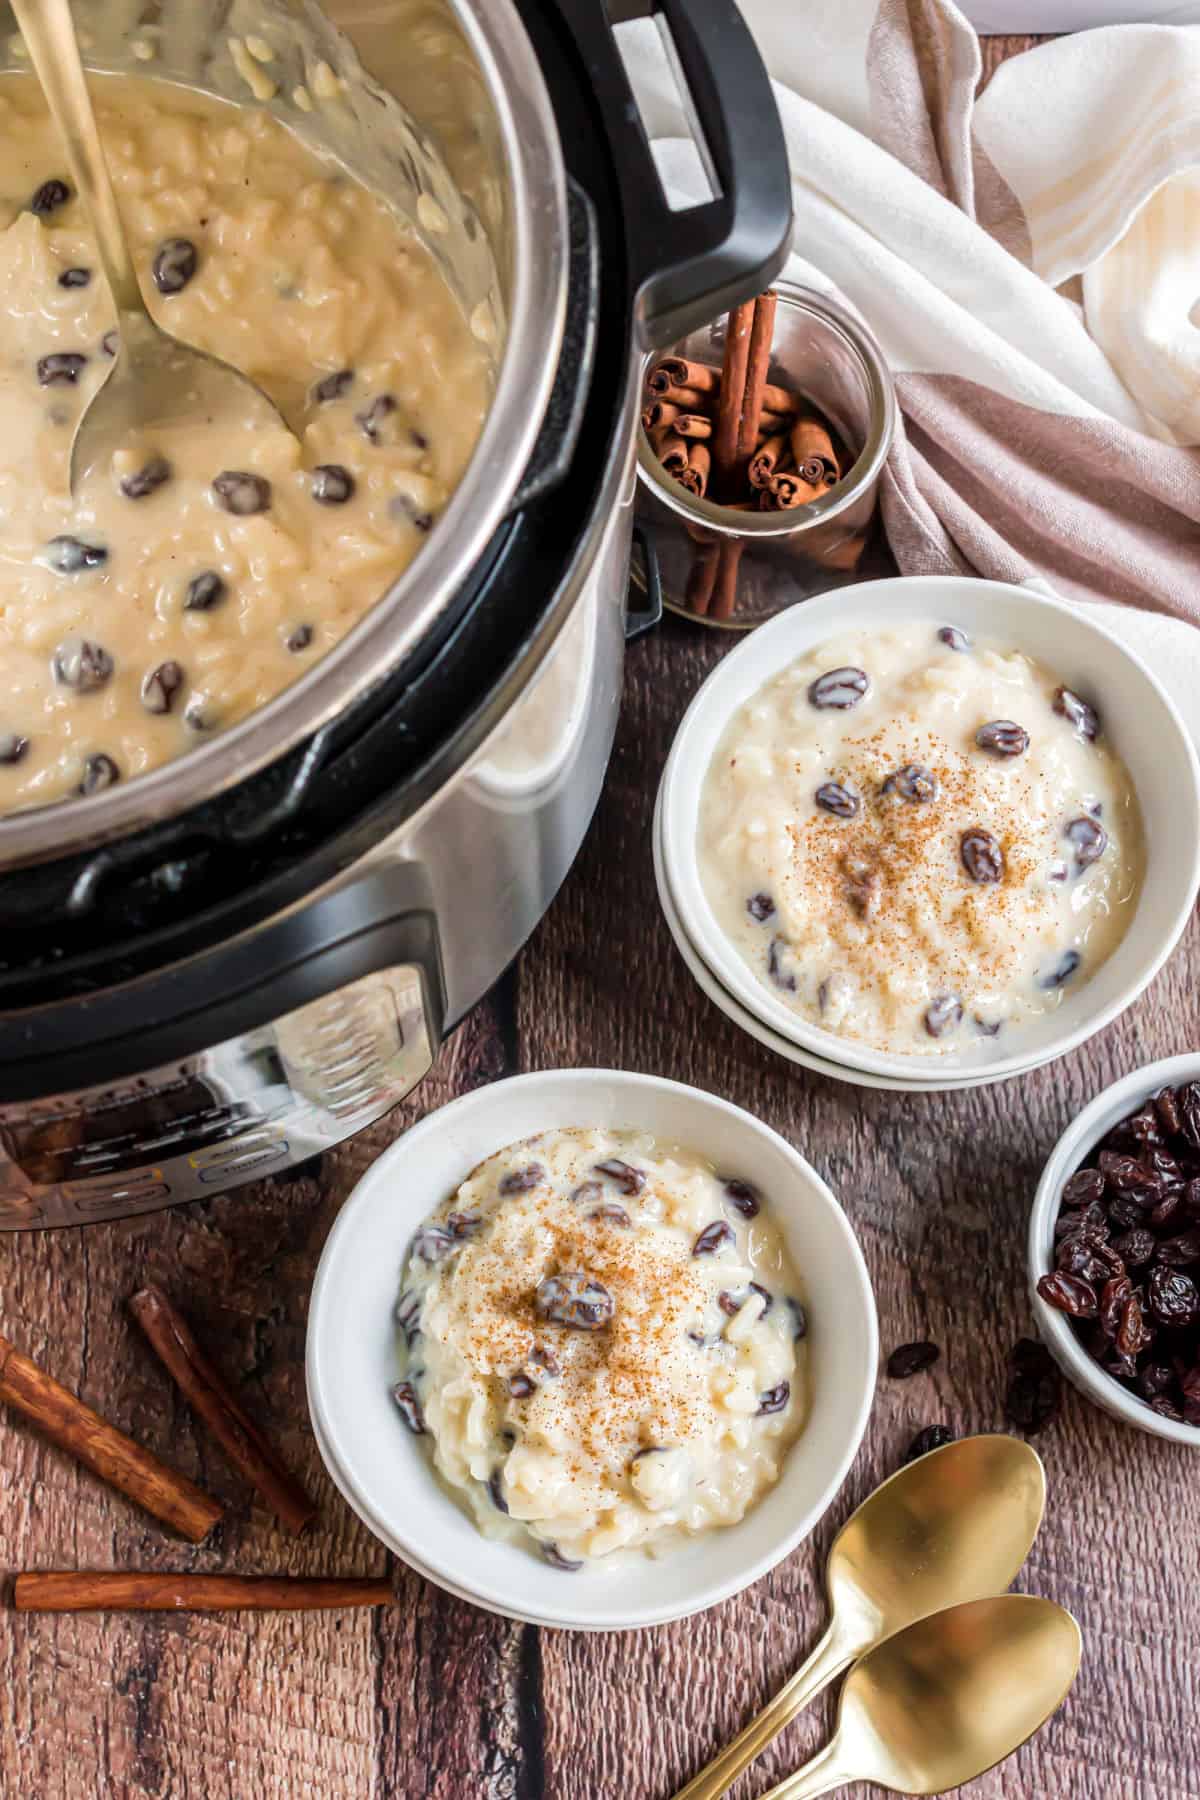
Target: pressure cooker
{"type": "Point", "coordinates": [219, 969]}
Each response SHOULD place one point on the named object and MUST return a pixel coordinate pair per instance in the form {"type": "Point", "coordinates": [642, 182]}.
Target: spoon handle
{"type": "Point", "coordinates": [49, 34]}
{"type": "Point", "coordinates": [831, 1656]}
{"type": "Point", "coordinates": [820, 1776]}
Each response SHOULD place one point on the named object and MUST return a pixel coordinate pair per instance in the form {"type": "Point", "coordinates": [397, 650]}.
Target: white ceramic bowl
{"type": "Point", "coordinates": [1139, 720]}
{"type": "Point", "coordinates": [385, 1473]}
{"type": "Point", "coordinates": [1072, 1150]}
{"type": "Point", "coordinates": [762, 1034]}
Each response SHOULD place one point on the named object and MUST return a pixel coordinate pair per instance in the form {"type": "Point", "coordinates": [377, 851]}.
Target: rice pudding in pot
{"type": "Point", "coordinates": [603, 1339]}
{"type": "Point", "coordinates": [919, 841]}
{"type": "Point", "coordinates": [187, 584]}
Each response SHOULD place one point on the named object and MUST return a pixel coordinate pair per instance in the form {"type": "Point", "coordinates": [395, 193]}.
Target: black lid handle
{"type": "Point", "coordinates": [690, 266]}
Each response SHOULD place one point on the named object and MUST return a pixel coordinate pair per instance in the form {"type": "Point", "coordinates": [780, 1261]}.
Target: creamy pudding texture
{"type": "Point", "coordinates": [605, 1341]}
{"type": "Point", "coordinates": [187, 584]}
{"type": "Point", "coordinates": [918, 841]}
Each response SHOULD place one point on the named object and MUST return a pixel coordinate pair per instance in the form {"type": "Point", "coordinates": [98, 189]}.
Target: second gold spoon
{"type": "Point", "coordinates": [955, 1525]}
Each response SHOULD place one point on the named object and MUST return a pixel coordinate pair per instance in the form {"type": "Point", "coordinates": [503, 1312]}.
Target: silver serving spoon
{"type": "Point", "coordinates": [155, 380]}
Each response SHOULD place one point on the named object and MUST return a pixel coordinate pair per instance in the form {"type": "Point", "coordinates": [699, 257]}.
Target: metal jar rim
{"type": "Point", "coordinates": [862, 472]}
{"type": "Point", "coordinates": [401, 617]}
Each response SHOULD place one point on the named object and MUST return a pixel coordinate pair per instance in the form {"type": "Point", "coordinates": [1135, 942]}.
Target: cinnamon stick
{"type": "Point", "coordinates": [765, 459]}
{"type": "Point", "coordinates": [762, 336]}
{"type": "Point", "coordinates": [685, 398]}
{"type": "Point", "coordinates": [695, 477]}
{"type": "Point", "coordinates": [701, 576]}
{"type": "Point", "coordinates": [724, 594]}
{"type": "Point", "coordinates": [673, 453]}
{"type": "Point", "coordinates": [72, 1590]}
{"type": "Point", "coordinates": [115, 1458]}
{"type": "Point", "coordinates": [811, 442]}
{"type": "Point", "coordinates": [207, 1392]}
{"type": "Point", "coordinates": [785, 491]}
{"type": "Point", "coordinates": [693, 425]}
{"type": "Point", "coordinates": [677, 371]}
{"type": "Point", "coordinates": [731, 394]}
{"type": "Point", "coordinates": [659, 412]}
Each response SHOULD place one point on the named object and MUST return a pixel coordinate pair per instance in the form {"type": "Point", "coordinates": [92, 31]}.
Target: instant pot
{"type": "Point", "coordinates": [219, 969]}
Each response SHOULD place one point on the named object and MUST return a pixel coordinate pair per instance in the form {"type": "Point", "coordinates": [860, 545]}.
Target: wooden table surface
{"type": "Point", "coordinates": [434, 1698]}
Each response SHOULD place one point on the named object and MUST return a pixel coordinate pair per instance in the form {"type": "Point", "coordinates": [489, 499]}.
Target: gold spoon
{"type": "Point", "coordinates": [946, 1699]}
{"type": "Point", "coordinates": [155, 379]}
{"type": "Point", "coordinates": [954, 1525]}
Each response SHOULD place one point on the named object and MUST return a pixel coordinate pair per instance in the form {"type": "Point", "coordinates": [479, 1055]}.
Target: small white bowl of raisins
{"type": "Point", "coordinates": [1114, 1250]}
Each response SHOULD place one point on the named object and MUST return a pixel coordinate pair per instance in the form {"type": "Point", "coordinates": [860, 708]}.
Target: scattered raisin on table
{"type": "Point", "coordinates": [910, 1359]}
{"type": "Point", "coordinates": [933, 1437]}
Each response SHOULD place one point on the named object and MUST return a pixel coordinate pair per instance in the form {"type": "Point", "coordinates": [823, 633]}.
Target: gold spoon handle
{"type": "Point", "coordinates": [820, 1776]}
{"type": "Point", "coordinates": [49, 34]}
{"type": "Point", "coordinates": [827, 1661]}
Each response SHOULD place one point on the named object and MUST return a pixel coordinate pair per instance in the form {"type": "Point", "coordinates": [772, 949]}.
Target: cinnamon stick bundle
{"type": "Point", "coordinates": [115, 1458]}
{"type": "Point", "coordinates": [209, 1395]}
{"type": "Point", "coordinates": [71, 1590]}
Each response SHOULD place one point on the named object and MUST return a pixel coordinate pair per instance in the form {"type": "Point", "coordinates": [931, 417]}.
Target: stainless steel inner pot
{"type": "Point", "coordinates": [454, 127]}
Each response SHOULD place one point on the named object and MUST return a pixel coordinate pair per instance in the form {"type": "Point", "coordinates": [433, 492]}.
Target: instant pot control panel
{"type": "Point", "coordinates": [248, 1107]}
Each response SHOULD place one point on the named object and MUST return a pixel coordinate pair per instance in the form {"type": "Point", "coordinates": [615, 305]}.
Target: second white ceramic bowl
{"type": "Point", "coordinates": [1140, 722]}
{"type": "Point", "coordinates": [386, 1474]}
{"type": "Point", "coordinates": [1070, 1153]}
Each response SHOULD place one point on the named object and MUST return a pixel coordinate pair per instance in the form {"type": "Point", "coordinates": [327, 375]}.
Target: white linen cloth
{"type": "Point", "coordinates": [1030, 262]}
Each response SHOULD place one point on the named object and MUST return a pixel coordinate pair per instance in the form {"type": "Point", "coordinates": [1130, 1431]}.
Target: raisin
{"type": "Point", "coordinates": [1129, 1175]}
{"type": "Point", "coordinates": [521, 1385]}
{"type": "Point", "coordinates": [943, 1015]}
{"type": "Point", "coordinates": [956, 639]}
{"type": "Point", "coordinates": [160, 687]}
{"type": "Point", "coordinates": [75, 278]}
{"type": "Point", "coordinates": [1083, 717]}
{"type": "Point", "coordinates": [760, 907]}
{"type": "Point", "coordinates": [1173, 1297]}
{"type": "Point", "coordinates": [332, 484]}
{"type": "Point", "coordinates": [1124, 1212]}
{"type": "Point", "coordinates": [49, 197]}
{"type": "Point", "coordinates": [933, 1437]}
{"type": "Point", "coordinates": [1029, 1356]}
{"type": "Point", "coordinates": [627, 1178]}
{"type": "Point", "coordinates": [585, 1192]}
{"type": "Point", "coordinates": [1088, 840]}
{"type": "Point", "coordinates": [1113, 1296]}
{"type": "Point", "coordinates": [742, 1197]}
{"type": "Point", "coordinates": [981, 855]}
{"type": "Point", "coordinates": [1033, 1396]}
{"type": "Point", "coordinates": [299, 638]}
{"type": "Point", "coordinates": [408, 1315]}
{"type": "Point", "coordinates": [574, 1299]}
{"type": "Point", "coordinates": [1067, 1293]}
{"type": "Point", "coordinates": [1145, 1126]}
{"type": "Point", "coordinates": [779, 975]}
{"type": "Point", "coordinates": [12, 747]}
{"type": "Point", "coordinates": [62, 368]}
{"type": "Point", "coordinates": [1167, 1107]}
{"type": "Point", "coordinates": [1133, 1335]}
{"type": "Point", "coordinates": [832, 797]}
{"type": "Point", "coordinates": [405, 1396]}
{"type": "Point", "coordinates": [521, 1181]}
{"type": "Point", "coordinates": [615, 1215]}
{"type": "Point", "coordinates": [69, 555]}
{"type": "Point", "coordinates": [495, 1488]}
{"type": "Point", "coordinates": [204, 591]}
{"type": "Point", "coordinates": [1188, 1100]}
{"type": "Point", "coordinates": [1155, 1378]}
{"type": "Point", "coordinates": [839, 689]}
{"type": "Point", "coordinates": [799, 1319]}
{"type": "Point", "coordinates": [110, 343]}
{"type": "Point", "coordinates": [404, 507]}
{"type": "Point", "coordinates": [910, 1359]}
{"type": "Point", "coordinates": [1083, 1187]}
{"type": "Point", "coordinates": [714, 1237]}
{"type": "Point", "coordinates": [99, 772]}
{"type": "Point", "coordinates": [913, 782]}
{"type": "Point", "coordinates": [174, 265]}
{"type": "Point", "coordinates": [1062, 971]}
{"type": "Point", "coordinates": [1001, 737]}
{"type": "Point", "coordinates": [242, 493]}
{"type": "Point", "coordinates": [333, 387]}
{"type": "Point", "coordinates": [1179, 1252]}
{"type": "Point", "coordinates": [862, 885]}
{"type": "Point", "coordinates": [1075, 1256]}
{"type": "Point", "coordinates": [462, 1225]}
{"type": "Point", "coordinates": [81, 664]}
{"type": "Point", "coordinates": [557, 1560]}
{"type": "Point", "coordinates": [146, 480]}
{"type": "Point", "coordinates": [1135, 1247]}
{"type": "Point", "coordinates": [1166, 1409]}
{"type": "Point", "coordinates": [370, 421]}
{"type": "Point", "coordinates": [775, 1399]}
{"type": "Point", "coordinates": [733, 1303]}
{"type": "Point", "coordinates": [433, 1244]}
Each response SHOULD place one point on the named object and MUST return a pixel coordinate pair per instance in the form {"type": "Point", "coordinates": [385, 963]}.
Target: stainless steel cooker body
{"type": "Point", "coordinates": [245, 1056]}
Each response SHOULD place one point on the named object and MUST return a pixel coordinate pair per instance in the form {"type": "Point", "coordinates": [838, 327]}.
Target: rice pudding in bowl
{"type": "Point", "coordinates": [1139, 728]}
{"type": "Point", "coordinates": [184, 586]}
{"type": "Point", "coordinates": [915, 835]}
{"type": "Point", "coordinates": [603, 1339]}
{"type": "Point", "coordinates": [356, 1353]}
